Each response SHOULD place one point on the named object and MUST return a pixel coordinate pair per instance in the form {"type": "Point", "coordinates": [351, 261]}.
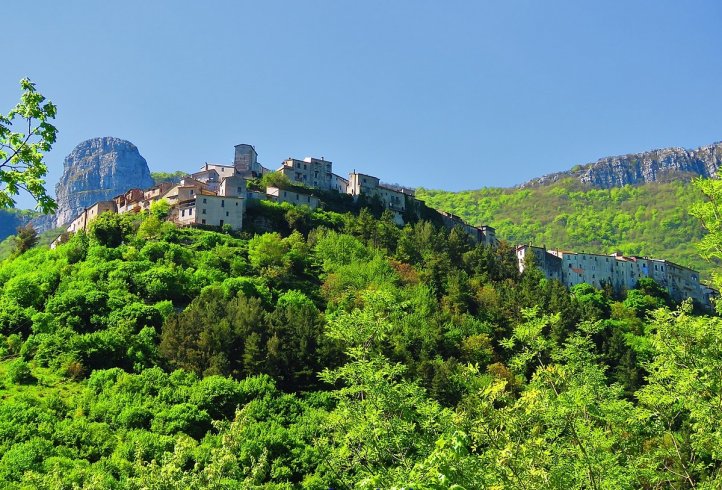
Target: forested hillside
{"type": "Point", "coordinates": [650, 219]}
{"type": "Point", "coordinates": [340, 351]}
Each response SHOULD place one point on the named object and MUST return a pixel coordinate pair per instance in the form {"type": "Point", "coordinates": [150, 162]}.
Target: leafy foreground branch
{"type": "Point", "coordinates": [25, 135]}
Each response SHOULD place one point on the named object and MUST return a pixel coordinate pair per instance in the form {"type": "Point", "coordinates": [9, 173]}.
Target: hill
{"type": "Point", "coordinates": [334, 351]}
{"type": "Point", "coordinates": [649, 219]}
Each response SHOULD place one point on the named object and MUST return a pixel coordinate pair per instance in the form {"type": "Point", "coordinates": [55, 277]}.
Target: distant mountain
{"type": "Point", "coordinates": [639, 168]}
{"type": "Point", "coordinates": [11, 219]}
{"type": "Point", "coordinates": [98, 169]}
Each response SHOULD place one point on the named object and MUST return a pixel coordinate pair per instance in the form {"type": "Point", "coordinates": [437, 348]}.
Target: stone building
{"type": "Point", "coordinates": [370, 186]}
{"type": "Point", "coordinates": [155, 193]}
{"type": "Point", "coordinates": [89, 214]}
{"type": "Point", "coordinates": [246, 163]}
{"type": "Point", "coordinates": [292, 197]}
{"type": "Point", "coordinates": [131, 200]}
{"type": "Point", "coordinates": [234, 185]}
{"type": "Point", "coordinates": [310, 172]}
{"type": "Point", "coordinates": [618, 271]}
{"type": "Point", "coordinates": [212, 174]}
{"type": "Point", "coordinates": [480, 234]}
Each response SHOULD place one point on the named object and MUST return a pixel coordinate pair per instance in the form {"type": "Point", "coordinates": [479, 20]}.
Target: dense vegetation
{"type": "Point", "coordinates": [340, 351]}
{"type": "Point", "coordinates": [651, 219]}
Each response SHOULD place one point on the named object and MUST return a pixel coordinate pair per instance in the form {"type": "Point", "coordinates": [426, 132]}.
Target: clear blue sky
{"type": "Point", "coordinates": [451, 95]}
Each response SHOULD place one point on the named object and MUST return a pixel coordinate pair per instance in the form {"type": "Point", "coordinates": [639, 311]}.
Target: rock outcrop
{"type": "Point", "coordinates": [96, 170]}
{"type": "Point", "coordinates": [640, 168]}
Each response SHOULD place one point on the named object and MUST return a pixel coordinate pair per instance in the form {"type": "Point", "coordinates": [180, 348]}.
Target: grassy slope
{"type": "Point", "coordinates": [647, 220]}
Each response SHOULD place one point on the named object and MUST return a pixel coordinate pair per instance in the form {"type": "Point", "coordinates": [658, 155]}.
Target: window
{"type": "Point", "coordinates": [221, 223]}
{"type": "Point", "coordinates": [190, 211]}
{"type": "Point", "coordinates": [223, 203]}
{"type": "Point", "coordinates": [205, 200]}
{"type": "Point", "coordinates": [236, 203]}
{"type": "Point", "coordinates": [203, 211]}
{"type": "Point", "coordinates": [240, 190]}
{"type": "Point", "coordinates": [226, 213]}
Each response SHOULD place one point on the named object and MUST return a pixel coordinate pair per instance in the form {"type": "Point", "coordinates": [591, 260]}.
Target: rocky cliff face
{"type": "Point", "coordinates": [639, 168]}
{"type": "Point", "coordinates": [96, 170]}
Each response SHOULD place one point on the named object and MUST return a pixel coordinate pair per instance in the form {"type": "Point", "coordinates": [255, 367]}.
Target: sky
{"type": "Point", "coordinates": [448, 95]}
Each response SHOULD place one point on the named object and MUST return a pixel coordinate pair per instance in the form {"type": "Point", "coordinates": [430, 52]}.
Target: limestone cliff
{"type": "Point", "coordinates": [640, 168]}
{"type": "Point", "coordinates": [96, 170]}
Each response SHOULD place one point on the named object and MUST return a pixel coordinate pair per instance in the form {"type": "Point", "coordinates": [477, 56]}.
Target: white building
{"type": "Point", "coordinates": [339, 184]}
{"type": "Point", "coordinates": [211, 210]}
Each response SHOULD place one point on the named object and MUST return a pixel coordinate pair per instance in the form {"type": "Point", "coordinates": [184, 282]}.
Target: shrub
{"type": "Point", "coordinates": [19, 372]}
{"type": "Point", "coordinates": [184, 417]}
{"type": "Point", "coordinates": [74, 370]}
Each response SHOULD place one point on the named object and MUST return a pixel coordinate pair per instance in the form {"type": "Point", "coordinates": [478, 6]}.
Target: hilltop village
{"type": "Point", "coordinates": [217, 195]}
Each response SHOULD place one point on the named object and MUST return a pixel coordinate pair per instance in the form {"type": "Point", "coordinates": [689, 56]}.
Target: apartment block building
{"type": "Point", "coordinates": [618, 271]}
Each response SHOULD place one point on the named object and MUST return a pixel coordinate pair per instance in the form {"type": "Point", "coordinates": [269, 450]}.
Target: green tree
{"type": "Point", "coordinates": [21, 152]}
{"type": "Point", "coordinates": [109, 229]}
{"type": "Point", "coordinates": [381, 424]}
{"type": "Point", "coordinates": [275, 179]}
{"type": "Point", "coordinates": [25, 239]}
{"type": "Point", "coordinates": [683, 398]}
{"type": "Point", "coordinates": [567, 429]}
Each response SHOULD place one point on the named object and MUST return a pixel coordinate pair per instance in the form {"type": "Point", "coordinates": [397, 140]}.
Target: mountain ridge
{"type": "Point", "coordinates": [658, 165]}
